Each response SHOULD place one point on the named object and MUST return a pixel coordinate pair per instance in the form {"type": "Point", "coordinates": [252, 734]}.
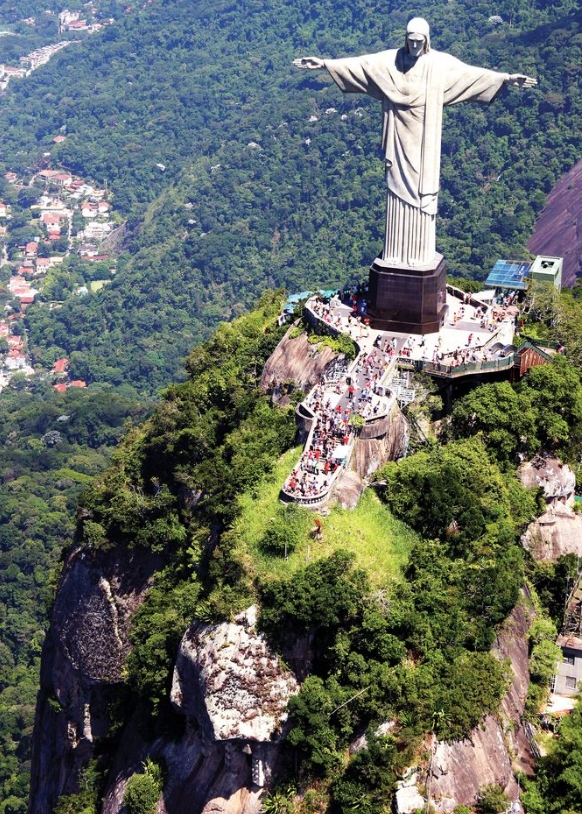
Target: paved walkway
{"type": "Point", "coordinates": [473, 333]}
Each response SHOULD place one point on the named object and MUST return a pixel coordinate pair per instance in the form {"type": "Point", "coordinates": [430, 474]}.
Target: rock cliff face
{"type": "Point", "coordinates": [295, 360]}
{"type": "Point", "coordinates": [233, 694]}
{"type": "Point", "coordinates": [228, 685]}
{"type": "Point", "coordinates": [82, 662]}
{"type": "Point", "coordinates": [499, 748]}
{"type": "Point", "coordinates": [558, 530]}
{"type": "Point", "coordinates": [558, 230]}
{"type": "Point", "coordinates": [369, 455]}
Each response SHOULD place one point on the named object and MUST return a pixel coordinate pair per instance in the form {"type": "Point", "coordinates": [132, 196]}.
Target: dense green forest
{"type": "Point", "coordinates": [233, 177]}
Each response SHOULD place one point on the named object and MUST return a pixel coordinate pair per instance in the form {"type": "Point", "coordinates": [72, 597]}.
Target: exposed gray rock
{"type": "Point", "coordinates": [558, 531]}
{"type": "Point", "coordinates": [409, 800]}
{"type": "Point", "coordinates": [296, 360]}
{"type": "Point", "coordinates": [489, 755]}
{"type": "Point", "coordinates": [555, 533]}
{"type": "Point", "coordinates": [555, 478]}
{"type": "Point", "coordinates": [82, 662]}
{"type": "Point", "coordinates": [227, 679]}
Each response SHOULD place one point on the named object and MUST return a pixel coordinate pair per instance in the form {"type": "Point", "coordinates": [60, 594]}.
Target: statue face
{"type": "Point", "coordinates": [416, 44]}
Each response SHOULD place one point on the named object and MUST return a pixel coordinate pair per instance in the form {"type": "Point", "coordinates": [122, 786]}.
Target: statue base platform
{"type": "Point", "coordinates": [407, 299]}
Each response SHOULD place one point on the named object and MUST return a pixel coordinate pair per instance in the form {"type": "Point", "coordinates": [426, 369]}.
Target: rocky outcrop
{"type": "Point", "coordinates": [82, 663]}
{"type": "Point", "coordinates": [499, 747]}
{"type": "Point", "coordinates": [233, 693]}
{"type": "Point", "coordinates": [229, 682]}
{"type": "Point", "coordinates": [556, 479]}
{"type": "Point", "coordinates": [558, 230]}
{"type": "Point", "coordinates": [558, 531]}
{"type": "Point", "coordinates": [370, 454]}
{"type": "Point", "coordinates": [555, 533]}
{"type": "Point", "coordinates": [297, 362]}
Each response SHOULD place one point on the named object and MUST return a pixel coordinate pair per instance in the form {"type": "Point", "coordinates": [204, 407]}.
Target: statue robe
{"type": "Point", "coordinates": [412, 99]}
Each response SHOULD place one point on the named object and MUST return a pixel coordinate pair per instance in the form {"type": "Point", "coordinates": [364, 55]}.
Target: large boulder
{"type": "Point", "coordinates": [555, 478]}
{"type": "Point", "coordinates": [230, 683]}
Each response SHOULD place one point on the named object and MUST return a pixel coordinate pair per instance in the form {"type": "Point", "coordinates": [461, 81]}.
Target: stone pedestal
{"type": "Point", "coordinates": [407, 299]}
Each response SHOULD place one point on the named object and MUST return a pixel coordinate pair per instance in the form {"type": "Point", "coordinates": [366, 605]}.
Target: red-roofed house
{"type": "Point", "coordinates": [50, 217]}
{"type": "Point", "coordinates": [31, 249]}
{"type": "Point", "coordinates": [60, 388]}
{"type": "Point", "coordinates": [61, 365]}
{"type": "Point", "coordinates": [89, 210]}
{"type": "Point", "coordinates": [78, 383]}
{"type": "Point", "coordinates": [62, 179]}
{"type": "Point", "coordinates": [11, 177]}
{"type": "Point", "coordinates": [59, 139]}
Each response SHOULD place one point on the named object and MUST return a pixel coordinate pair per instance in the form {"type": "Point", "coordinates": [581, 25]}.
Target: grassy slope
{"type": "Point", "coordinates": [381, 543]}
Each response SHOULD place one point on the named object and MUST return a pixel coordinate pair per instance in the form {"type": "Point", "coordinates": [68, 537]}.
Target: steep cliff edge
{"type": "Point", "coordinates": [233, 694]}
{"type": "Point", "coordinates": [558, 230]}
{"type": "Point", "coordinates": [82, 663]}
{"type": "Point", "coordinates": [498, 748]}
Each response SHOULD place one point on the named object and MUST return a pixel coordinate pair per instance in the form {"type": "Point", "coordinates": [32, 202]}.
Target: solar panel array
{"type": "Point", "coordinates": [509, 274]}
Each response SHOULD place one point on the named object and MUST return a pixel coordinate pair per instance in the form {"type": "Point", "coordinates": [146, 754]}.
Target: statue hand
{"type": "Point", "coordinates": [309, 62]}
{"type": "Point", "coordinates": [519, 80]}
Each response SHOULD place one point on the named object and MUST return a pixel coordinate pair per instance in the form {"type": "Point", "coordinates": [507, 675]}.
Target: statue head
{"type": "Point", "coordinates": [417, 37]}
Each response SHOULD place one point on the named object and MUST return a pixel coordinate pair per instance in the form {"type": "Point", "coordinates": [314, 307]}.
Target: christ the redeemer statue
{"type": "Point", "coordinates": [413, 83]}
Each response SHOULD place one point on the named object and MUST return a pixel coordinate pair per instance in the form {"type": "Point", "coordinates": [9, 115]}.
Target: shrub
{"type": "Point", "coordinates": [285, 531]}
{"type": "Point", "coordinates": [492, 800]}
{"type": "Point", "coordinates": [143, 790]}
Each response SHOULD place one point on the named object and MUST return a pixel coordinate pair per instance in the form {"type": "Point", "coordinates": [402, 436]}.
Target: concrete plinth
{"type": "Point", "coordinates": [407, 299]}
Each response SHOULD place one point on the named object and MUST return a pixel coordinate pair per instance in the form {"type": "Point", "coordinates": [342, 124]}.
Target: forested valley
{"type": "Point", "coordinates": [234, 178]}
{"type": "Point", "coordinates": [234, 173]}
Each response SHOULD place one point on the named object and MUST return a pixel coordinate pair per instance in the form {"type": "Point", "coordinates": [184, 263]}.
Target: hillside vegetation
{"type": "Point", "coordinates": [234, 177]}
{"type": "Point", "coordinates": [401, 600]}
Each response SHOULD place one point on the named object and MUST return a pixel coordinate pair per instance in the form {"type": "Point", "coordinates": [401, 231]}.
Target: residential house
{"type": "Point", "coordinates": [62, 179]}
{"type": "Point", "coordinates": [15, 360]}
{"type": "Point", "coordinates": [43, 264]}
{"type": "Point", "coordinates": [89, 210]}
{"type": "Point", "coordinates": [568, 677]}
{"type": "Point", "coordinates": [61, 365]}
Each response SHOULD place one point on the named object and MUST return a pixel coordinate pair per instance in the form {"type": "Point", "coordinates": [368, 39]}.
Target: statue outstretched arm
{"type": "Point", "coordinates": [519, 80]}
{"type": "Point", "coordinates": [309, 62]}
